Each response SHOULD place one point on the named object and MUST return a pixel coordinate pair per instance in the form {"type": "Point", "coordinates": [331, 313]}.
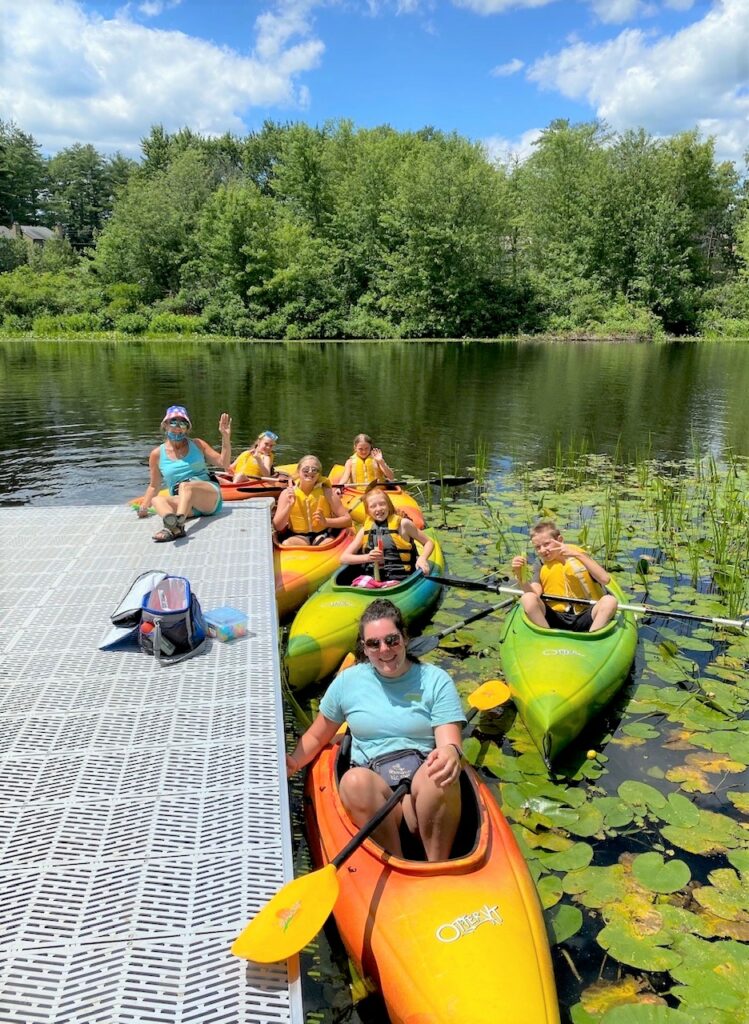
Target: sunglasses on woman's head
{"type": "Point", "coordinates": [391, 640]}
{"type": "Point", "coordinates": [269, 434]}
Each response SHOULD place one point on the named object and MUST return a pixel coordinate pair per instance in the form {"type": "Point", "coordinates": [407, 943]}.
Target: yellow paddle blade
{"type": "Point", "coordinates": [290, 919]}
{"type": "Point", "coordinates": [490, 694]}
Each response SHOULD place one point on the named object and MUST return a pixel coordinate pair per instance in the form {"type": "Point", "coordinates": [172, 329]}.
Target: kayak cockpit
{"type": "Point", "coordinates": [469, 828]}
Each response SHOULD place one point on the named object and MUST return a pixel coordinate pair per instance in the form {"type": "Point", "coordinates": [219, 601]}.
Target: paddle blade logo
{"type": "Point", "coordinates": [467, 923]}
{"type": "Point", "coordinates": [287, 914]}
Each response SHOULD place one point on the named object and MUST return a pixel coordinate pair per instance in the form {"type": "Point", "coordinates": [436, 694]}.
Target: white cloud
{"type": "Point", "coordinates": [510, 68]}
{"type": "Point", "coordinates": [698, 76]}
{"type": "Point", "coordinates": [153, 8]}
{"type": "Point", "coordinates": [505, 150]}
{"type": "Point", "coordinates": [616, 11]}
{"type": "Point", "coordinates": [82, 77]}
{"type": "Point", "coordinates": [499, 6]}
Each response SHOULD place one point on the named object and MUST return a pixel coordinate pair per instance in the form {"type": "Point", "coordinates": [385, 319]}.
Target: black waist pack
{"type": "Point", "coordinates": [401, 764]}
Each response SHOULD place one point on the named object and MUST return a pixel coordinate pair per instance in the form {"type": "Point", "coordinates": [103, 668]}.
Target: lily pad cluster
{"type": "Point", "coordinates": [638, 840]}
{"type": "Point", "coordinates": [640, 850]}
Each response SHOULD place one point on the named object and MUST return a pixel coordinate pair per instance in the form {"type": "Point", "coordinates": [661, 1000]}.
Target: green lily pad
{"type": "Point", "coordinates": [564, 922]}
{"type": "Point", "coordinates": [576, 857]}
{"type": "Point", "coordinates": [680, 811]}
{"type": "Point", "coordinates": [735, 744]}
{"type": "Point", "coordinates": [713, 977]}
{"type": "Point", "coordinates": [640, 796]}
{"type": "Point", "coordinates": [642, 730]}
{"type": "Point", "coordinates": [596, 887]}
{"type": "Point", "coordinates": [580, 821]}
{"type": "Point", "coordinates": [658, 875]}
{"type": "Point", "coordinates": [644, 1013]}
{"type": "Point", "coordinates": [630, 948]}
{"type": "Point", "coordinates": [615, 811]}
{"type": "Point", "coordinates": [549, 890]}
{"type": "Point", "coordinates": [713, 833]}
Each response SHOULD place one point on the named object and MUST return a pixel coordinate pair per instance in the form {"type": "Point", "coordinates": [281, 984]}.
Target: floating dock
{"type": "Point", "coordinates": [143, 809]}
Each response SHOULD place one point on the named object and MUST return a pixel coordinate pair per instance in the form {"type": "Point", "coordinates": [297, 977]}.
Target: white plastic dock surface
{"type": "Point", "coordinates": [143, 809]}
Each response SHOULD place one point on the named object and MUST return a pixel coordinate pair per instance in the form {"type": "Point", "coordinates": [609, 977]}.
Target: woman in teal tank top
{"type": "Point", "coordinates": [181, 465]}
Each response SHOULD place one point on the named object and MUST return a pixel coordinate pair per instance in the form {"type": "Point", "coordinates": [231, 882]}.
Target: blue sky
{"type": "Point", "coordinates": [497, 71]}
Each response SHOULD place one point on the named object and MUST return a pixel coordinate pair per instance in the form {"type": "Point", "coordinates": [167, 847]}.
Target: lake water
{"type": "Point", "coordinates": [77, 419]}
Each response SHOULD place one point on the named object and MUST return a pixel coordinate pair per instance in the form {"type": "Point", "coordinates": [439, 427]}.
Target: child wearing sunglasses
{"type": "Point", "coordinates": [399, 713]}
{"type": "Point", "coordinates": [181, 464]}
{"type": "Point", "coordinates": [309, 510]}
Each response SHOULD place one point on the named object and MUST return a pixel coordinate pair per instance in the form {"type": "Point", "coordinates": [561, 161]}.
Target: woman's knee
{"type": "Point", "coordinates": [359, 788]}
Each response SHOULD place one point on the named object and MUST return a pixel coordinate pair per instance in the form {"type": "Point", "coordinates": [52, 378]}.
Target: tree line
{"type": "Point", "coordinates": [296, 231]}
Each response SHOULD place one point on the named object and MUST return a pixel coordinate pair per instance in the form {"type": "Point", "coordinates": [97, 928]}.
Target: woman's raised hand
{"type": "Point", "coordinates": [224, 424]}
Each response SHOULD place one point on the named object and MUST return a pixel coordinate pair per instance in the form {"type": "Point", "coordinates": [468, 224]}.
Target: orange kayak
{"type": "Point", "coordinates": [455, 942]}
{"type": "Point", "coordinates": [351, 499]}
{"type": "Point", "coordinates": [300, 571]}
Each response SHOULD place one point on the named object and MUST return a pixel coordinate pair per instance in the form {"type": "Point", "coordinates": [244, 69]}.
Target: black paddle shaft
{"type": "Point", "coordinates": [366, 830]}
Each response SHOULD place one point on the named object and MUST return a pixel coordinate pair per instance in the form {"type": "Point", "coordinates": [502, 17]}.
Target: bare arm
{"type": "Point", "coordinates": [444, 762]}
{"type": "Point", "coordinates": [222, 458]}
{"type": "Point", "coordinates": [154, 484]}
{"type": "Point", "coordinates": [340, 517]}
{"type": "Point", "coordinates": [319, 734]}
{"type": "Point", "coordinates": [408, 529]}
{"type": "Point", "coordinates": [383, 466]}
{"type": "Point", "coordinates": [283, 508]}
{"type": "Point", "coordinates": [353, 555]}
{"type": "Point", "coordinates": [596, 570]}
{"type": "Point", "coordinates": [345, 477]}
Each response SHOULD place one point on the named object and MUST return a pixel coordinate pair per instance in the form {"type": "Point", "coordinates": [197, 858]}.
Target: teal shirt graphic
{"type": "Point", "coordinates": [385, 715]}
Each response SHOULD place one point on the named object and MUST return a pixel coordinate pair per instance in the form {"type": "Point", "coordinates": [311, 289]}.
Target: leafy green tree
{"type": "Point", "coordinates": [78, 192]}
{"type": "Point", "coordinates": [150, 235]}
{"type": "Point", "coordinates": [21, 175]}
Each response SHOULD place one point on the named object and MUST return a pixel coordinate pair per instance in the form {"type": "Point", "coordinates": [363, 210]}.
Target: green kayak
{"type": "Point", "coordinates": [560, 680]}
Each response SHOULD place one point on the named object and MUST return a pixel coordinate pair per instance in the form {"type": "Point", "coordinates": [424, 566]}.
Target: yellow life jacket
{"type": "Point", "coordinates": [304, 507]}
{"type": "Point", "coordinates": [572, 579]}
{"type": "Point", "coordinates": [399, 552]}
{"type": "Point", "coordinates": [365, 471]}
{"type": "Point", "coordinates": [247, 463]}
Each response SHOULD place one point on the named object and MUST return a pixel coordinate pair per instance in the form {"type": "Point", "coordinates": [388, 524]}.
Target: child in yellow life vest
{"type": "Point", "coordinates": [367, 465]}
{"type": "Point", "coordinates": [387, 542]}
{"type": "Point", "coordinates": [308, 509]}
{"type": "Point", "coordinates": [256, 462]}
{"type": "Point", "coordinates": [570, 572]}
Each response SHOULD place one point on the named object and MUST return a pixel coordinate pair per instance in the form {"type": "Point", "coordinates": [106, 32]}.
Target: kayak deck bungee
{"type": "Point", "coordinates": [460, 941]}
{"type": "Point", "coordinates": [352, 500]}
{"type": "Point", "coordinates": [299, 571]}
{"type": "Point", "coordinates": [560, 680]}
{"type": "Point", "coordinates": [324, 629]}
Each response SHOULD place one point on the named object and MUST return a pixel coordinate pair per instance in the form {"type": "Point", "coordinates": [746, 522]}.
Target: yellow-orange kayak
{"type": "Point", "coordinates": [351, 499]}
{"type": "Point", "coordinates": [454, 942]}
{"type": "Point", "coordinates": [300, 571]}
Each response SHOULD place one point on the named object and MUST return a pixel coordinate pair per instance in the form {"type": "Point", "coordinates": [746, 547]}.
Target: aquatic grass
{"type": "Point", "coordinates": [481, 462]}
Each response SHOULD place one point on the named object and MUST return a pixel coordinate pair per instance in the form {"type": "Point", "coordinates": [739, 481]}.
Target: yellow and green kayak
{"type": "Point", "coordinates": [324, 629]}
{"type": "Point", "coordinates": [561, 680]}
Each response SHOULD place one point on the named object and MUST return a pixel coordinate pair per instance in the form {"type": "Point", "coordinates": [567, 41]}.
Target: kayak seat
{"type": "Point", "coordinates": [413, 849]}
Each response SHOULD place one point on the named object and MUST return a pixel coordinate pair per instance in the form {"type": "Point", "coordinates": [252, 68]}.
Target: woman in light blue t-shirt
{"type": "Point", "coordinates": [392, 703]}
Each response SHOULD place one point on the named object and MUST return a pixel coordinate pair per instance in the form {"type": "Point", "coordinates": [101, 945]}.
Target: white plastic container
{"type": "Point", "coordinates": [226, 623]}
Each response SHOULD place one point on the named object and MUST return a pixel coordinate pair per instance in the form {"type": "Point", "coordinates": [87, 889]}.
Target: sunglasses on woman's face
{"type": "Point", "coordinates": [178, 423]}
{"type": "Point", "coordinates": [309, 471]}
{"type": "Point", "coordinates": [391, 640]}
